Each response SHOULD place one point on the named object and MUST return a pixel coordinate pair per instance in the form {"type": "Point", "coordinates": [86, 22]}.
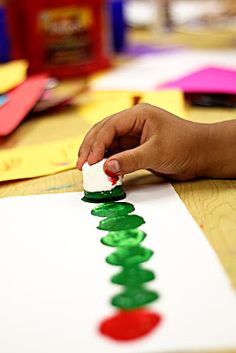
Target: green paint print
{"type": "Point", "coordinates": [128, 257]}
{"type": "Point", "coordinates": [124, 238]}
{"type": "Point", "coordinates": [133, 298]}
{"type": "Point", "coordinates": [121, 223]}
{"type": "Point", "coordinates": [133, 276]}
{"type": "Point", "coordinates": [115, 194]}
{"type": "Point", "coordinates": [113, 209]}
{"type": "Point", "coordinates": [124, 235]}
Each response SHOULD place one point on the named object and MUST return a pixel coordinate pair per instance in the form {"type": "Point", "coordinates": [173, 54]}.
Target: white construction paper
{"type": "Point", "coordinates": [55, 285]}
{"type": "Point", "coordinates": [149, 71]}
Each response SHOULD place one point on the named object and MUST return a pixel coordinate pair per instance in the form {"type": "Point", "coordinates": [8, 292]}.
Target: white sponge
{"type": "Point", "coordinates": [95, 179]}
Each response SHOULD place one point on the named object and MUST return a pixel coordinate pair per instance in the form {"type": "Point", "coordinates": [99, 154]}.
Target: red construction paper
{"type": "Point", "coordinates": [207, 80]}
{"type": "Point", "coordinates": [21, 100]}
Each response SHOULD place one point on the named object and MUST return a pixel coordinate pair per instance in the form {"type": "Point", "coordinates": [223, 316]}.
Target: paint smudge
{"type": "Point", "coordinates": [61, 164]}
{"type": "Point", "coordinates": [60, 187]}
{"type": "Point", "coordinates": [113, 178]}
{"type": "Point", "coordinates": [132, 298]}
{"type": "Point", "coordinates": [124, 238]}
{"type": "Point", "coordinates": [121, 223]}
{"type": "Point", "coordinates": [130, 325]}
{"type": "Point", "coordinates": [127, 257]}
{"type": "Point", "coordinates": [133, 276]}
{"type": "Point", "coordinates": [113, 209]}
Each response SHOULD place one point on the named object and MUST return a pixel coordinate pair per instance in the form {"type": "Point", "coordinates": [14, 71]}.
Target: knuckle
{"type": "Point", "coordinates": [143, 110]}
{"type": "Point", "coordinates": [93, 147]}
{"type": "Point", "coordinates": [97, 146]}
{"type": "Point", "coordinates": [144, 106]}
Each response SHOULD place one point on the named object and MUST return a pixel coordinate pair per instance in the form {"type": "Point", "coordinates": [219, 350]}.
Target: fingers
{"type": "Point", "coordinates": [121, 144]}
{"type": "Point", "coordinates": [83, 155]}
{"type": "Point", "coordinates": [102, 135]}
{"type": "Point", "coordinates": [131, 160]}
{"type": "Point", "coordinates": [88, 140]}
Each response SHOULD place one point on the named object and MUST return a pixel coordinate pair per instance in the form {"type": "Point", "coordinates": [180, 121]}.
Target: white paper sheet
{"type": "Point", "coordinates": [55, 285]}
{"type": "Point", "coordinates": [149, 71]}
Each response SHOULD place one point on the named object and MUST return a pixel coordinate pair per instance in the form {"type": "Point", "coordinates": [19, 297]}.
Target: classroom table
{"type": "Point", "coordinates": [212, 203]}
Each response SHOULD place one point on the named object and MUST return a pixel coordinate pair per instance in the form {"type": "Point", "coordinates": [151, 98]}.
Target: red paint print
{"type": "Point", "coordinates": [113, 178]}
{"type": "Point", "coordinates": [130, 325]}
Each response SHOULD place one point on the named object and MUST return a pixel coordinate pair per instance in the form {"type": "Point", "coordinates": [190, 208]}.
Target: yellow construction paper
{"type": "Point", "coordinates": [106, 103]}
{"type": "Point", "coordinates": [48, 158]}
{"type": "Point", "coordinates": [38, 160]}
{"type": "Point", "coordinates": [170, 100]}
{"type": "Point", "coordinates": [12, 74]}
{"type": "Point", "coordinates": [103, 104]}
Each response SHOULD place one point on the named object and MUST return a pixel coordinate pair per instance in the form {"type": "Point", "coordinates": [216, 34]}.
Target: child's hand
{"type": "Point", "coordinates": [146, 137]}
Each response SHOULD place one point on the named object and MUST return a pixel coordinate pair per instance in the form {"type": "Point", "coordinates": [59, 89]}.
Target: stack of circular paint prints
{"type": "Point", "coordinates": [132, 319]}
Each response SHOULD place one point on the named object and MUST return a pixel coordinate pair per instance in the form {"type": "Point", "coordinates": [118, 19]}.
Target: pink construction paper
{"type": "Point", "coordinates": [21, 100]}
{"type": "Point", "coordinates": [207, 80]}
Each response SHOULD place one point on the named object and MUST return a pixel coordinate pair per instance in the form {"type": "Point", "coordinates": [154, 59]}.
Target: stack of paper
{"type": "Point", "coordinates": [49, 158]}
{"type": "Point", "coordinates": [207, 80]}
{"type": "Point", "coordinates": [20, 94]}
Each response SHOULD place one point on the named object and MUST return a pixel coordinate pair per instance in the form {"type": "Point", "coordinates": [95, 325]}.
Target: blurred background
{"type": "Point", "coordinates": [69, 38]}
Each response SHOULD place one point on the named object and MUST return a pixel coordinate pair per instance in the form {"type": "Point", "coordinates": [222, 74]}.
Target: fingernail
{"type": "Point", "coordinates": [113, 166]}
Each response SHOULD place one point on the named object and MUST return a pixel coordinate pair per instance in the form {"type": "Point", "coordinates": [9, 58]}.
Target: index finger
{"type": "Point", "coordinates": [84, 149]}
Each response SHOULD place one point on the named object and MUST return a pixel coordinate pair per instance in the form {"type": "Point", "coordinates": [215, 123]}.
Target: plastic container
{"type": "Point", "coordinates": [63, 37]}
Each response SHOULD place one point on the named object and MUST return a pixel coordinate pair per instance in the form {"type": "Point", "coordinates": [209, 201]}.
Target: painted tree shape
{"type": "Point", "coordinates": [132, 320]}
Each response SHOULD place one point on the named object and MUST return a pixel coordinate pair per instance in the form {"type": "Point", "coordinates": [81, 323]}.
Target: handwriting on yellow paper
{"type": "Point", "coordinates": [39, 160]}
{"type": "Point", "coordinates": [9, 164]}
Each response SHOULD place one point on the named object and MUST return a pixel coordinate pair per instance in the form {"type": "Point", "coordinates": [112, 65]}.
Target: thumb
{"type": "Point", "coordinates": [129, 160]}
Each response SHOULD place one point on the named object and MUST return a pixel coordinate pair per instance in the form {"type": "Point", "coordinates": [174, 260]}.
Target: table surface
{"type": "Point", "coordinates": [212, 203]}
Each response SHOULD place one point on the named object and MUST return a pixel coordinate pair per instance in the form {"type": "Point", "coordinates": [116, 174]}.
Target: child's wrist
{"type": "Point", "coordinates": [205, 145]}
{"type": "Point", "coordinates": [211, 155]}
